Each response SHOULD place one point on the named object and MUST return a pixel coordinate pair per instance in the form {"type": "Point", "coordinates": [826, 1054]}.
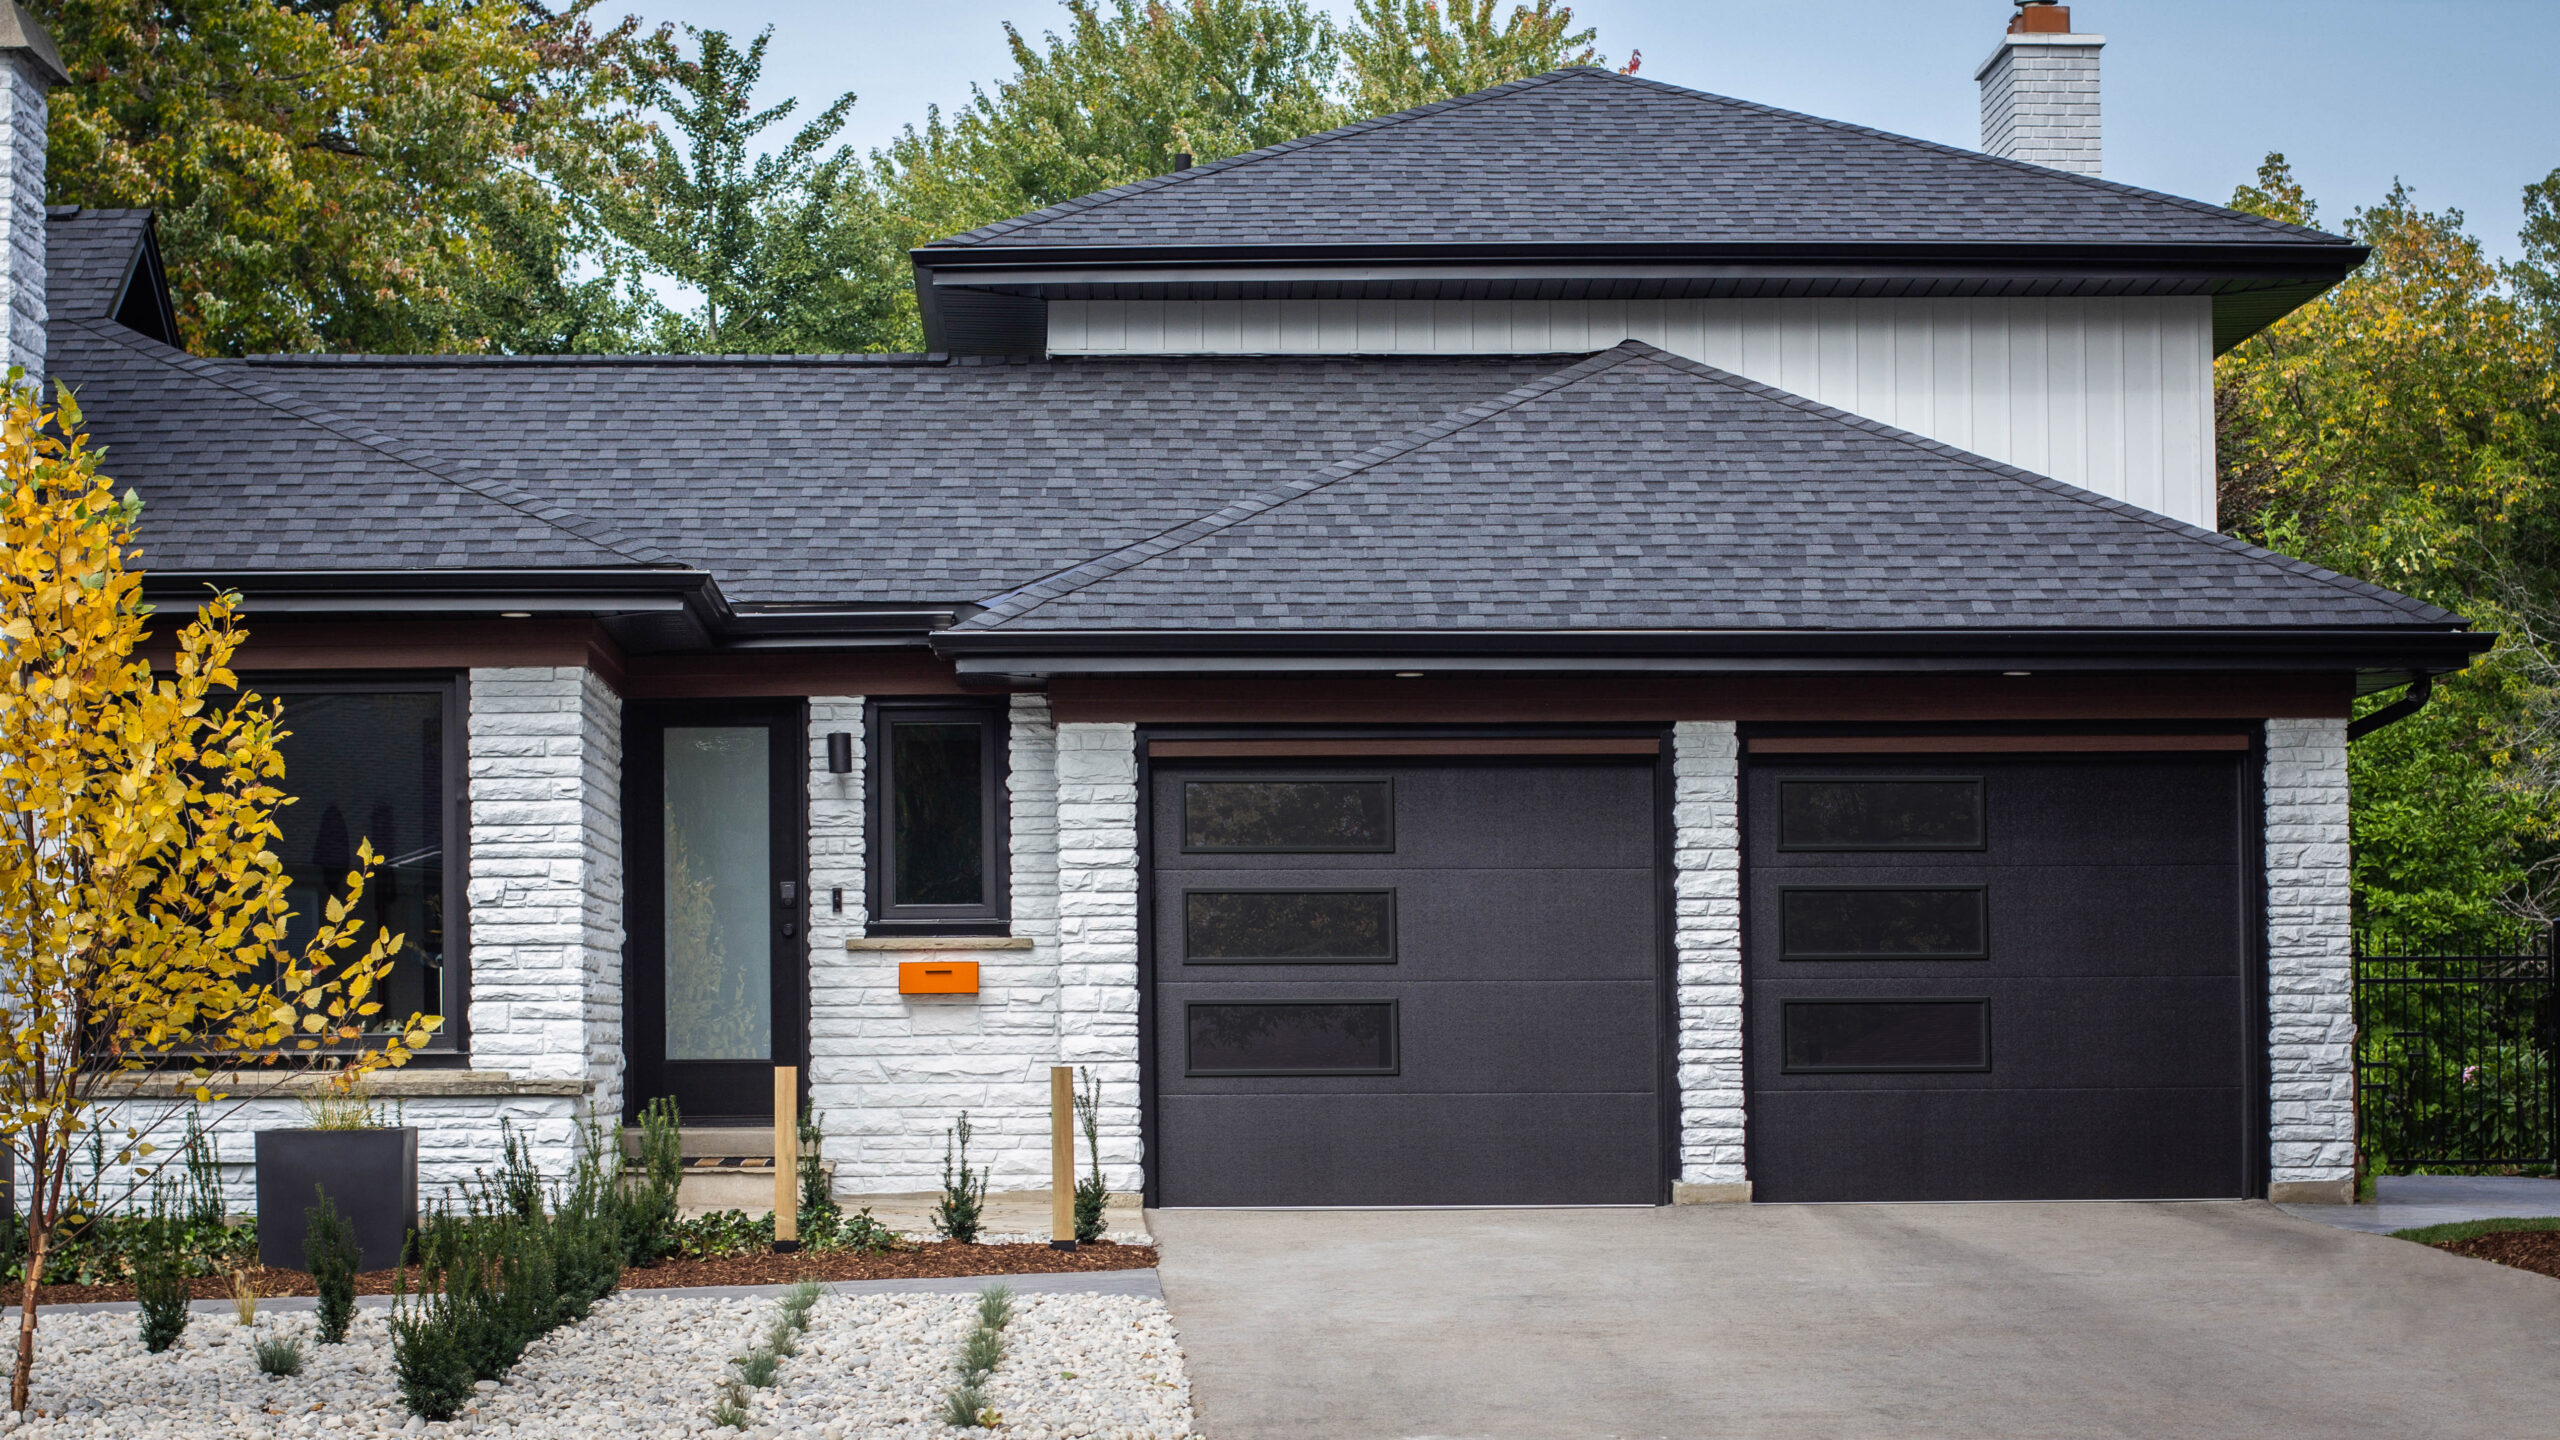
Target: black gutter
{"type": "Point", "coordinates": [2303, 647]}
{"type": "Point", "coordinates": [2421, 689]}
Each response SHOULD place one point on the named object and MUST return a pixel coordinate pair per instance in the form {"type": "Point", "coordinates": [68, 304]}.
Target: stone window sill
{"type": "Point", "coordinates": [938, 942]}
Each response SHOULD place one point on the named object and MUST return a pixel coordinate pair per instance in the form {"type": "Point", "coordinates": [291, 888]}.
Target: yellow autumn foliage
{"type": "Point", "coordinates": [143, 906]}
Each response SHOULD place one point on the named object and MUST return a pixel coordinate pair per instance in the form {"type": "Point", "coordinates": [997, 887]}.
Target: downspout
{"type": "Point", "coordinates": [2407, 705]}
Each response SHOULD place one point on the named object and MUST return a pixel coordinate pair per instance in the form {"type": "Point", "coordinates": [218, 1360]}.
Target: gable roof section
{"type": "Point", "coordinates": [1639, 492]}
{"type": "Point", "coordinates": [105, 265]}
{"type": "Point", "coordinates": [1587, 155]}
{"type": "Point", "coordinates": [887, 479]}
{"type": "Point", "coordinates": [238, 476]}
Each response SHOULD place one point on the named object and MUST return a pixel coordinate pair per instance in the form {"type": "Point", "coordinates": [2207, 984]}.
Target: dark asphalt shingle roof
{"type": "Point", "coordinates": [1587, 155]}
{"type": "Point", "coordinates": [236, 475]}
{"type": "Point", "coordinates": [1638, 490]}
{"type": "Point", "coordinates": [87, 255]}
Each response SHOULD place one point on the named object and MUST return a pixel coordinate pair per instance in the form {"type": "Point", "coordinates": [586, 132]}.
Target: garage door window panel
{"type": "Point", "coordinates": [1841, 922]}
{"type": "Point", "coordinates": [1283, 815]}
{"type": "Point", "coordinates": [1887, 1035]}
{"type": "Point", "coordinates": [1291, 1037]}
{"type": "Point", "coordinates": [1881, 814]}
{"type": "Point", "coordinates": [1235, 927]}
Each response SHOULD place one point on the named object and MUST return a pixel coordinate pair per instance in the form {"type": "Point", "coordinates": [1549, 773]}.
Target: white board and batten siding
{"type": "Point", "coordinates": [2113, 394]}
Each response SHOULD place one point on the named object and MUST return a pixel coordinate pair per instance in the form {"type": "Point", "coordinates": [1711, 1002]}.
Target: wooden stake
{"type": "Point", "coordinates": [1062, 1157]}
{"type": "Point", "coordinates": [786, 1159]}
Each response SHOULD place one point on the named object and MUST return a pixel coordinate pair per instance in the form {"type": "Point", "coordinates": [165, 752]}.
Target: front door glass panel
{"type": "Point", "coordinates": [718, 869]}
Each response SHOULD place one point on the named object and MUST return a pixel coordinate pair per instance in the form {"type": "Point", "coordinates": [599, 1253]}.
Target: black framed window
{"type": "Point", "coordinates": [1881, 813]}
{"type": "Point", "coordinates": [1883, 922]}
{"type": "Point", "coordinates": [380, 761]}
{"type": "Point", "coordinates": [1880, 1035]}
{"type": "Point", "coordinates": [1234, 927]}
{"type": "Point", "coordinates": [938, 818]}
{"type": "Point", "coordinates": [1290, 1037]}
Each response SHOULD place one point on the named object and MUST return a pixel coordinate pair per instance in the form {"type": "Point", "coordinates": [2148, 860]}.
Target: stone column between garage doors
{"type": "Point", "coordinates": [889, 1073]}
{"type": "Point", "coordinates": [2310, 965]}
{"type": "Point", "coordinates": [1706, 859]}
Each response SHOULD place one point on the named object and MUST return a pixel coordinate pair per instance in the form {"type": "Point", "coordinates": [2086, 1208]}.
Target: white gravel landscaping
{"type": "Point", "coordinates": [1078, 1367]}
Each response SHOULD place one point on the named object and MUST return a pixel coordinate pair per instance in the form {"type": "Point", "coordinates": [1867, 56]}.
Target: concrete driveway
{"type": "Point", "coordinates": [1905, 1321]}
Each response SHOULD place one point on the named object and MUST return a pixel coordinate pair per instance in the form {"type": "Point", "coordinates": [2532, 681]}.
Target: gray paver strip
{"type": "Point", "coordinates": [1101, 1282]}
{"type": "Point", "coordinates": [2199, 1321]}
{"type": "Point", "coordinates": [2405, 1202]}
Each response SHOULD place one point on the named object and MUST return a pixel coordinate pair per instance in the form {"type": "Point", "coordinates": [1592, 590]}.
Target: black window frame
{"type": "Point", "coordinates": [1982, 912]}
{"type": "Point", "coordinates": [1981, 815]}
{"type": "Point", "coordinates": [992, 916]}
{"type": "Point", "coordinates": [451, 1042]}
{"type": "Point", "coordinates": [1395, 1038]}
{"type": "Point", "coordinates": [1183, 811]}
{"type": "Point", "coordinates": [1183, 916]}
{"type": "Point", "coordinates": [1787, 1007]}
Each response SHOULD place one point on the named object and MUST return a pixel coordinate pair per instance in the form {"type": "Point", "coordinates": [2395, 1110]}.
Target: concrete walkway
{"type": "Point", "coordinates": [2405, 1202]}
{"type": "Point", "coordinates": [1970, 1322]}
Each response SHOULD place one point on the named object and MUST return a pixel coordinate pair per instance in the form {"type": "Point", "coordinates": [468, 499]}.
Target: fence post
{"type": "Point", "coordinates": [1062, 1157]}
{"type": "Point", "coordinates": [786, 1159]}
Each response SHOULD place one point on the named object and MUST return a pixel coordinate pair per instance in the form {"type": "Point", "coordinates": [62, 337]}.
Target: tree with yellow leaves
{"type": "Point", "coordinates": [142, 911]}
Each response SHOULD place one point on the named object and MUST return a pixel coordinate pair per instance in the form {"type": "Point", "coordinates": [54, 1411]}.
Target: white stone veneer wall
{"type": "Point", "coordinates": [1706, 862]}
{"type": "Point", "coordinates": [890, 1072]}
{"type": "Point", "coordinates": [546, 886]}
{"type": "Point", "coordinates": [2310, 964]}
{"type": "Point", "coordinates": [1098, 929]}
{"type": "Point", "coordinates": [456, 1137]}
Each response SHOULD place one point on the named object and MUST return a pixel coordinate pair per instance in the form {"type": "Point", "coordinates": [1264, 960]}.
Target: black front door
{"type": "Point", "coordinates": [716, 957]}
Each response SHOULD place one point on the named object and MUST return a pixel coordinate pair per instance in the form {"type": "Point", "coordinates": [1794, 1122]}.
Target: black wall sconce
{"type": "Point", "coordinates": [839, 752]}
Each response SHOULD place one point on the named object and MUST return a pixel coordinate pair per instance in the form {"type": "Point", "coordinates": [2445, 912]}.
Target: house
{"type": "Point", "coordinates": [1587, 643]}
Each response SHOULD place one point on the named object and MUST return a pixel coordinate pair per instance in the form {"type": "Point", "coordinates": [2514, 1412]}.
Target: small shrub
{"type": "Point", "coordinates": [760, 1367]}
{"type": "Point", "coordinates": [798, 1301]}
{"type": "Point", "coordinates": [1091, 1197]}
{"type": "Point", "coordinates": [426, 1358]}
{"type": "Point", "coordinates": [344, 1103]}
{"type": "Point", "coordinates": [519, 1183]}
{"type": "Point", "coordinates": [280, 1355]}
{"type": "Point", "coordinates": [859, 1231]}
{"type": "Point", "coordinates": [814, 1196]}
{"type": "Point", "coordinates": [995, 1307]}
{"type": "Point", "coordinates": [244, 1298]}
{"type": "Point", "coordinates": [648, 1200]}
{"type": "Point", "coordinates": [330, 1254]}
{"type": "Point", "coordinates": [160, 1282]}
{"type": "Point", "coordinates": [959, 1214]}
{"type": "Point", "coordinates": [965, 1407]}
{"type": "Point", "coordinates": [982, 1352]}
{"type": "Point", "coordinates": [731, 1408]}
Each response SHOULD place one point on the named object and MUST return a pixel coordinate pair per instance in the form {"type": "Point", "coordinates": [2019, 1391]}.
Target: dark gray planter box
{"type": "Point", "coordinates": [371, 1176]}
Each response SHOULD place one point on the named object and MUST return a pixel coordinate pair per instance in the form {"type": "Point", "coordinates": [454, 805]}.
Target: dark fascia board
{"type": "Point", "coordinates": [2412, 649]}
{"type": "Point", "coordinates": [600, 593]}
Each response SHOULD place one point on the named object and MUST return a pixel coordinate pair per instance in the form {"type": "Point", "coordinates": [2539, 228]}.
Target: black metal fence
{"type": "Point", "coordinates": [2454, 1052]}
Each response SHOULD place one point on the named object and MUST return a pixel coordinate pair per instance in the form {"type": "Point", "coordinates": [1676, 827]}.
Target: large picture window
{"type": "Point", "coordinates": [938, 809]}
{"type": "Point", "coordinates": [377, 761]}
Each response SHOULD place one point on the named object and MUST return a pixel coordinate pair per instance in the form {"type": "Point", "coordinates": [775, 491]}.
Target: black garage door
{"type": "Point", "coordinates": [1407, 985]}
{"type": "Point", "coordinates": [2014, 978]}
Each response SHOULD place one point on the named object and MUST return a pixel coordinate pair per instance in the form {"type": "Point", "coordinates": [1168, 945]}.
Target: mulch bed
{"type": "Point", "coordinates": [938, 1259]}
{"type": "Point", "coordinates": [2535, 1250]}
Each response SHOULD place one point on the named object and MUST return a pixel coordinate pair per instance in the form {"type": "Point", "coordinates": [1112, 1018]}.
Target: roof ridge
{"type": "Point", "coordinates": [1080, 203]}
{"type": "Point", "coordinates": [1148, 184]}
{"type": "Point", "coordinates": [891, 359]}
{"type": "Point", "coordinates": [533, 507]}
{"type": "Point", "coordinates": [1941, 147]}
{"type": "Point", "coordinates": [1023, 599]}
{"type": "Point", "coordinates": [2060, 488]}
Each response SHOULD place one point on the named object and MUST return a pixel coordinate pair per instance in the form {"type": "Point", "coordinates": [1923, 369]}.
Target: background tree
{"type": "Point", "coordinates": [142, 914]}
{"type": "Point", "coordinates": [1404, 53]}
{"type": "Point", "coordinates": [389, 175]}
{"type": "Point", "coordinates": [776, 246]}
{"type": "Point", "coordinates": [2405, 429]}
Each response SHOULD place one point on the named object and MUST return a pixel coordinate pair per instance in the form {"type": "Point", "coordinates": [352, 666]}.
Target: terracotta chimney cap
{"type": "Point", "coordinates": [2040, 17]}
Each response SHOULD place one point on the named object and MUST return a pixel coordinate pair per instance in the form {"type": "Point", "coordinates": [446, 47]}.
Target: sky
{"type": "Point", "coordinates": [2459, 98]}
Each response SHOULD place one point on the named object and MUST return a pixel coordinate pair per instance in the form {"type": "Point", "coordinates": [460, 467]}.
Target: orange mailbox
{"type": "Point", "coordinates": [937, 977]}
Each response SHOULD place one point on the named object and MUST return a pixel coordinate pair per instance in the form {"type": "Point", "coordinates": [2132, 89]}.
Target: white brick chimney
{"type": "Point", "coordinates": [2040, 91]}
{"type": "Point", "coordinates": [32, 67]}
